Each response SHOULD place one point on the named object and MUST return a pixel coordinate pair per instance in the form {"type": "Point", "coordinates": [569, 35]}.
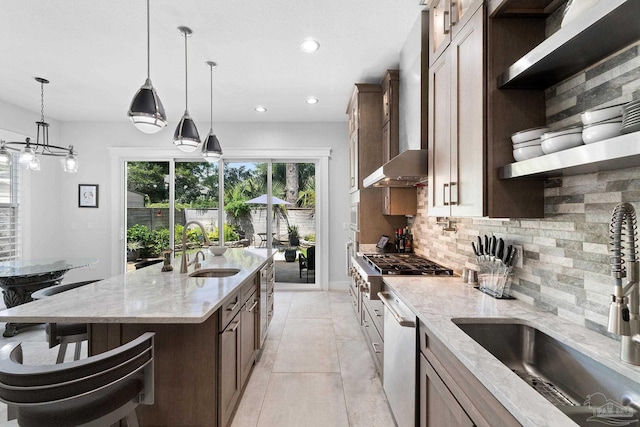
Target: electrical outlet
{"type": "Point", "coordinates": [519, 256]}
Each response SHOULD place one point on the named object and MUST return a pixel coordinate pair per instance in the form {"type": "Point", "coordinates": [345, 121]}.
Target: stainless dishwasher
{"type": "Point", "coordinates": [399, 373]}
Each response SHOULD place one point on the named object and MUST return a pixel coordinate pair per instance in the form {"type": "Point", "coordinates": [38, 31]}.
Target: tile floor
{"type": "Point", "coordinates": [315, 368]}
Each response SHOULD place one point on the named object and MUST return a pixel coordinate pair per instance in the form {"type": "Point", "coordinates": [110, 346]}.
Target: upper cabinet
{"type": "Point", "coordinates": [447, 18]}
{"type": "Point", "coordinates": [456, 124]}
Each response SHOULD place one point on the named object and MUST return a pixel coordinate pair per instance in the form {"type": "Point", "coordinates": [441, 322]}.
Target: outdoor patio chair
{"type": "Point", "coordinates": [97, 391]}
{"type": "Point", "coordinates": [307, 262]}
{"type": "Point", "coordinates": [64, 333]}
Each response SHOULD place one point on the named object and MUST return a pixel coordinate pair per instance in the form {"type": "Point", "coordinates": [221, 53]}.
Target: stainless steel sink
{"type": "Point", "coordinates": [587, 391]}
{"type": "Point", "coordinates": [215, 272]}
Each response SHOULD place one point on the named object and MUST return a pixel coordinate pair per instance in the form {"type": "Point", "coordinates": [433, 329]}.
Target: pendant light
{"type": "Point", "coordinates": [5, 155]}
{"type": "Point", "coordinates": [186, 136]}
{"type": "Point", "coordinates": [211, 150]}
{"type": "Point", "coordinates": [146, 110]}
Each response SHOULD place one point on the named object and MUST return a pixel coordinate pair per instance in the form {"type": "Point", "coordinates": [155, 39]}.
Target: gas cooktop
{"type": "Point", "coordinates": [406, 264]}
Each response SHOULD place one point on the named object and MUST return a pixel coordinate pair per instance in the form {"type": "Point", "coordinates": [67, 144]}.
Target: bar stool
{"type": "Point", "coordinates": [64, 333]}
{"type": "Point", "coordinates": [97, 391]}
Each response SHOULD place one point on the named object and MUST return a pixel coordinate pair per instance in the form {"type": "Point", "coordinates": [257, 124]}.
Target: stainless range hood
{"type": "Point", "coordinates": [407, 169]}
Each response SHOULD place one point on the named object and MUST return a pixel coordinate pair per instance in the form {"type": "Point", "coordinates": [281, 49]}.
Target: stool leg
{"type": "Point", "coordinates": [132, 419]}
{"type": "Point", "coordinates": [76, 353]}
{"type": "Point", "coordinates": [61, 352]}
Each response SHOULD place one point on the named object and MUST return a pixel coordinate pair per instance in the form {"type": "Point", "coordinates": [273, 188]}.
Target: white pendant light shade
{"type": "Point", "coordinates": [146, 111]}
{"type": "Point", "coordinates": [27, 155]}
{"type": "Point", "coordinates": [186, 136]}
{"type": "Point", "coordinates": [211, 150]}
{"type": "Point", "coordinates": [5, 155]}
{"type": "Point", "coordinates": [34, 164]}
{"type": "Point", "coordinates": [71, 162]}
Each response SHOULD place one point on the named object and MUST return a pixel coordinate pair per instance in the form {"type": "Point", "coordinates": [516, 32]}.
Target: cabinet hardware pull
{"type": "Point", "coordinates": [452, 191]}
{"type": "Point", "coordinates": [234, 327]}
{"type": "Point", "coordinates": [233, 307]}
{"type": "Point", "coordinates": [375, 347]}
{"type": "Point", "coordinates": [390, 304]}
{"type": "Point", "coordinates": [255, 303]}
{"type": "Point", "coordinates": [453, 15]}
{"type": "Point", "coordinates": [444, 194]}
{"type": "Point", "coordinates": [375, 310]}
{"type": "Point", "coordinates": [446, 29]}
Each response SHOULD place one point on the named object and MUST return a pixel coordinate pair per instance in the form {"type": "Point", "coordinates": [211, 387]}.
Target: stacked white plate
{"type": "Point", "coordinates": [631, 117]}
{"type": "Point", "coordinates": [561, 139]}
{"type": "Point", "coordinates": [526, 143]}
{"type": "Point", "coordinates": [601, 123]}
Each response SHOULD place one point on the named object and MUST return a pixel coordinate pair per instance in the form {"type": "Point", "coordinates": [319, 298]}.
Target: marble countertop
{"type": "Point", "coordinates": [437, 300]}
{"type": "Point", "coordinates": [147, 295]}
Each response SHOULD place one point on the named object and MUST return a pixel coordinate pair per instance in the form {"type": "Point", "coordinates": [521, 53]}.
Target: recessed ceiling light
{"type": "Point", "coordinates": [309, 46]}
{"type": "Point", "coordinates": [260, 109]}
{"type": "Point", "coordinates": [312, 100]}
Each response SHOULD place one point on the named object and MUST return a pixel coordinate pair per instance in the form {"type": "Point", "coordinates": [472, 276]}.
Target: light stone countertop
{"type": "Point", "coordinates": [437, 300]}
{"type": "Point", "coordinates": [147, 295]}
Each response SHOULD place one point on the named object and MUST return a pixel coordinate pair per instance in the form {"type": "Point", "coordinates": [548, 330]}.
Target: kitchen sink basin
{"type": "Point", "coordinates": [587, 391]}
{"type": "Point", "coordinates": [215, 272]}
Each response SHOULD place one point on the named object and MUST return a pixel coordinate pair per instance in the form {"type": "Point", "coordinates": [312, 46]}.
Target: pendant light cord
{"type": "Point", "coordinates": [186, 75]}
{"type": "Point", "coordinates": [148, 44]}
{"type": "Point", "coordinates": [42, 102]}
{"type": "Point", "coordinates": [211, 109]}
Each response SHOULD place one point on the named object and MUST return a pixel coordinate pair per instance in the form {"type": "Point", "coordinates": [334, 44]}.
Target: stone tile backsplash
{"type": "Point", "coordinates": [566, 260]}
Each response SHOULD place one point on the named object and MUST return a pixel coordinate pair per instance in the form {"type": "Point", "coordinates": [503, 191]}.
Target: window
{"type": "Point", "coordinates": [9, 221]}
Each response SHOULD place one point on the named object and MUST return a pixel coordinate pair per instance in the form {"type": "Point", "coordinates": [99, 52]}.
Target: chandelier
{"type": "Point", "coordinates": [41, 147]}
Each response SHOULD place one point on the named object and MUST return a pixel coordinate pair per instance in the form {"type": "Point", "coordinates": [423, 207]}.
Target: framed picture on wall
{"type": "Point", "coordinates": [87, 195]}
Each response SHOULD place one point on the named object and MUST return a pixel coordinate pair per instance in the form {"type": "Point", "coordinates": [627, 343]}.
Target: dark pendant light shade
{"type": "Point", "coordinates": [146, 110]}
{"type": "Point", "coordinates": [186, 136]}
{"type": "Point", "coordinates": [211, 150]}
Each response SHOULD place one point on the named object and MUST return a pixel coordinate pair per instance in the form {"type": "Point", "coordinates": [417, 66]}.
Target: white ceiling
{"type": "Point", "coordinates": [94, 54]}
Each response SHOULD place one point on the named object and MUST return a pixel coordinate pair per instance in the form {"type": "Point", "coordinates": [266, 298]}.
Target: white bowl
{"type": "Point", "coordinates": [526, 153]}
{"type": "Point", "coordinates": [599, 132]}
{"type": "Point", "coordinates": [217, 250]}
{"type": "Point", "coordinates": [561, 142]}
{"type": "Point", "coordinates": [564, 131]}
{"type": "Point", "coordinates": [590, 117]}
{"type": "Point", "coordinates": [528, 134]}
{"type": "Point", "coordinates": [531, 143]}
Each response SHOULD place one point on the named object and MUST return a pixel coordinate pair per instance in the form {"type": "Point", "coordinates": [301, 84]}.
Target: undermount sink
{"type": "Point", "coordinates": [587, 391]}
{"type": "Point", "coordinates": [215, 272]}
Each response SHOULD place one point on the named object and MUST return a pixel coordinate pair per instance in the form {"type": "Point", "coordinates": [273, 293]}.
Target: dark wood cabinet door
{"type": "Point", "coordinates": [230, 384]}
{"type": "Point", "coordinates": [438, 407]}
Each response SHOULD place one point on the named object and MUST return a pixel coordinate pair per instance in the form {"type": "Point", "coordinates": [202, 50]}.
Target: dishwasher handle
{"type": "Point", "coordinates": [391, 306]}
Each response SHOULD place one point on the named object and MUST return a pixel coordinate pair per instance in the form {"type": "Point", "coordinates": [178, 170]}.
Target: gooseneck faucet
{"type": "Point", "coordinates": [624, 316]}
{"type": "Point", "coordinates": [185, 258]}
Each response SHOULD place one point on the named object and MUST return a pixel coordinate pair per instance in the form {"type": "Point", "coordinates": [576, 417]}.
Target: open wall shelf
{"type": "Point", "coordinates": [599, 31]}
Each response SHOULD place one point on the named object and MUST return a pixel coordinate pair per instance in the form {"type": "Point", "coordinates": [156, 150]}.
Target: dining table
{"type": "Point", "coordinates": [20, 278]}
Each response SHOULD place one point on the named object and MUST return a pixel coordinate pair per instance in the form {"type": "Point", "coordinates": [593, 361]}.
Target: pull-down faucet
{"type": "Point", "coordinates": [185, 258]}
{"type": "Point", "coordinates": [624, 317]}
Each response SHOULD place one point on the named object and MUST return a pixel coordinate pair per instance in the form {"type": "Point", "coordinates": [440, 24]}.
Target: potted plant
{"type": "Point", "coordinates": [294, 235]}
{"type": "Point", "coordinates": [133, 250]}
{"type": "Point", "coordinates": [290, 254]}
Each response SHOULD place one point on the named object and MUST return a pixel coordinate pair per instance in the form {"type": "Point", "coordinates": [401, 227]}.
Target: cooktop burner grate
{"type": "Point", "coordinates": [405, 264]}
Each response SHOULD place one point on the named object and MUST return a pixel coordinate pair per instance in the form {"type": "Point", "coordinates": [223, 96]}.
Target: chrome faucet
{"type": "Point", "coordinates": [624, 316]}
{"type": "Point", "coordinates": [185, 258]}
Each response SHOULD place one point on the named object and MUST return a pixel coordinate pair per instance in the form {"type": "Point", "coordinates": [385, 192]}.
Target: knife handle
{"type": "Point", "coordinates": [475, 251]}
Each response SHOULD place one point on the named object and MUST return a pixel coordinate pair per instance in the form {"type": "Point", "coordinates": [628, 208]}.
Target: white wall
{"type": "Point", "coordinates": [87, 232]}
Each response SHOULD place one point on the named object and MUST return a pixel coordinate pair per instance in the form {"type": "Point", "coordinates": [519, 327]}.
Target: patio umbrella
{"type": "Point", "coordinates": [263, 200]}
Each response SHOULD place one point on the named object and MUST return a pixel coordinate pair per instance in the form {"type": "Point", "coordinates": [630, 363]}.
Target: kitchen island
{"type": "Point", "coordinates": [437, 301]}
{"type": "Point", "coordinates": [188, 315]}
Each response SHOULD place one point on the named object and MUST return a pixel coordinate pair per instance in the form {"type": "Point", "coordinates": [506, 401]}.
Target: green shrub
{"type": "Point", "coordinates": [138, 233]}
{"type": "Point", "coordinates": [158, 241]}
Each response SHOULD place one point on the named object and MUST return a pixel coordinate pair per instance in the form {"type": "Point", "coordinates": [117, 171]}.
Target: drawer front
{"type": "Point", "coordinates": [249, 288]}
{"type": "Point", "coordinates": [376, 311]}
{"type": "Point", "coordinates": [374, 340]}
{"type": "Point", "coordinates": [229, 310]}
